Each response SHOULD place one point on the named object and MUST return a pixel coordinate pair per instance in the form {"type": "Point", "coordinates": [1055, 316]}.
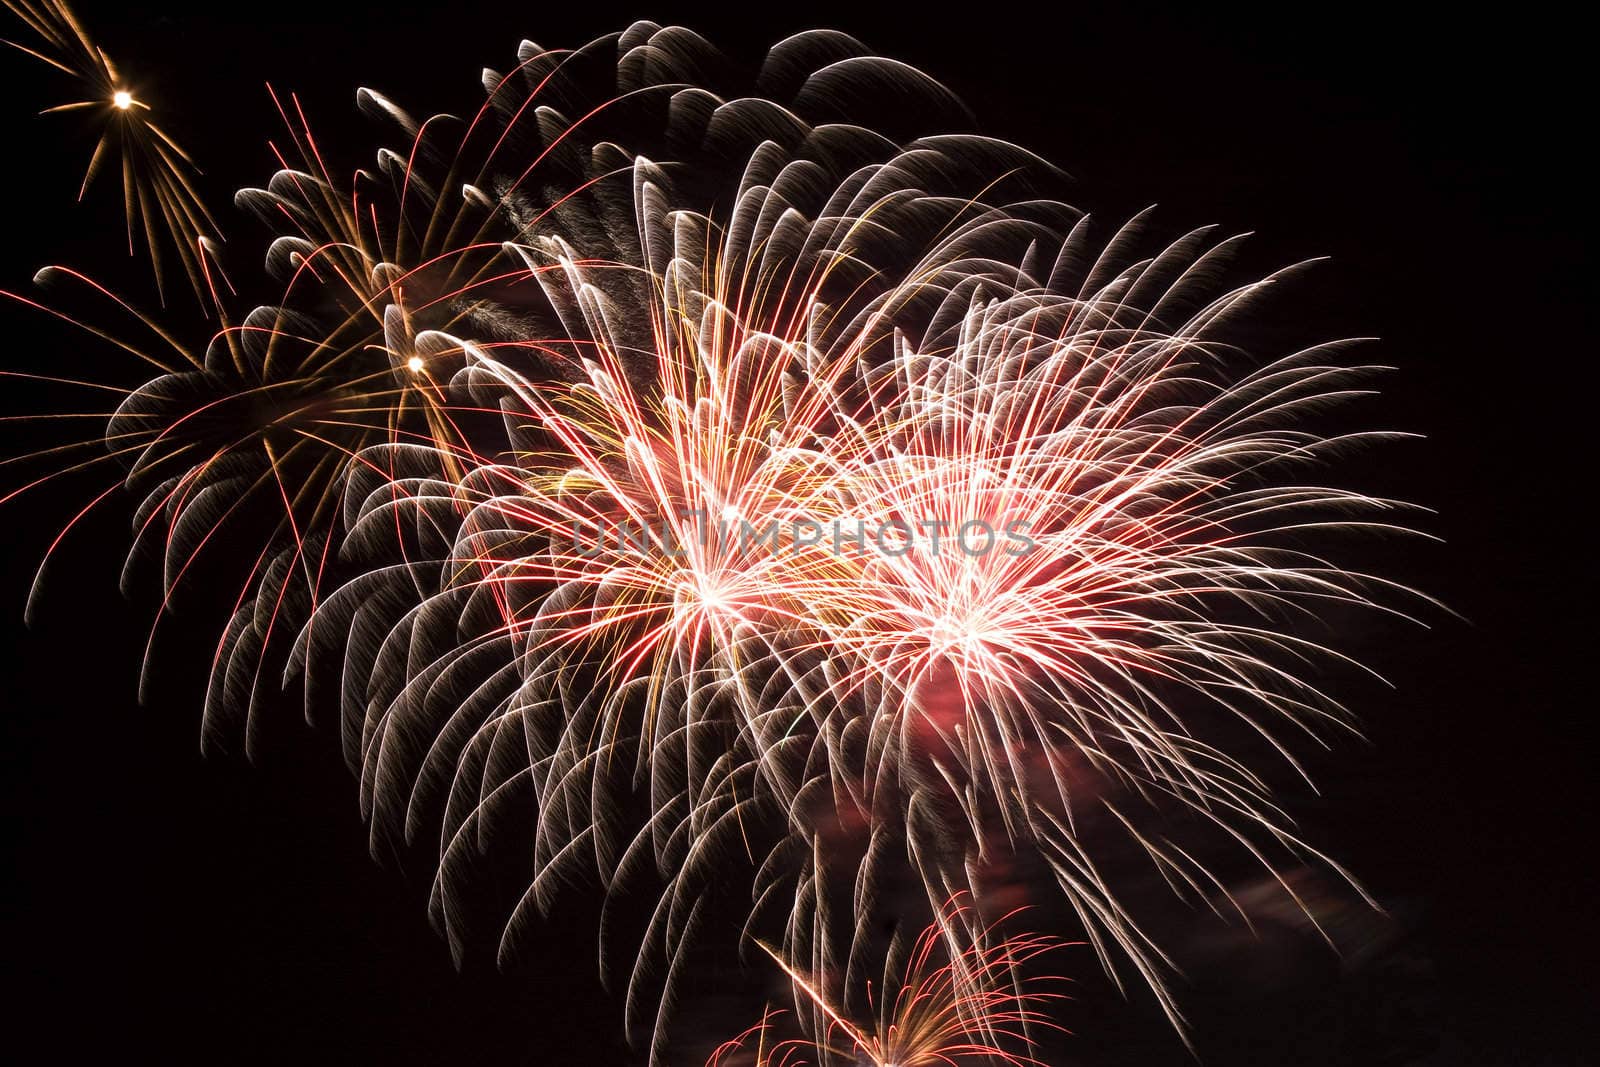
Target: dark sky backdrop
{"type": "Point", "coordinates": [197, 908]}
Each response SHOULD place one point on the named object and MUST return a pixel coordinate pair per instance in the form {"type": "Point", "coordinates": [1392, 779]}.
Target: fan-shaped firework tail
{"type": "Point", "coordinates": [737, 484]}
{"type": "Point", "coordinates": [941, 1008]}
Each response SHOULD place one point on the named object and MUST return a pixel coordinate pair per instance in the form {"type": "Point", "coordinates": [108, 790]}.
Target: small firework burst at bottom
{"type": "Point", "coordinates": [981, 1003]}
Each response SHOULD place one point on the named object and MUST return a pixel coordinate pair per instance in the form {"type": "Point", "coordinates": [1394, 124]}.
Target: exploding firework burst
{"type": "Point", "coordinates": [160, 199]}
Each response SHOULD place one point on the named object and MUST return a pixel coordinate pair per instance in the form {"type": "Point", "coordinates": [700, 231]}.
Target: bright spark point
{"type": "Point", "coordinates": [122, 99]}
{"type": "Point", "coordinates": [415, 364]}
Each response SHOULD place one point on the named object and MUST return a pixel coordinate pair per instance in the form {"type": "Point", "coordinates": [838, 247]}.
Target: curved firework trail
{"type": "Point", "coordinates": [672, 472]}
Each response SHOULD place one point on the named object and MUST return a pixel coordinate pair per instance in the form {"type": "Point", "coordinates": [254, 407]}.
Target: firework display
{"type": "Point", "coordinates": [739, 491]}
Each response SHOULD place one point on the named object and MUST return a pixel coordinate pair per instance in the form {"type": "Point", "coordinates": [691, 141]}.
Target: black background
{"type": "Point", "coordinates": [208, 908]}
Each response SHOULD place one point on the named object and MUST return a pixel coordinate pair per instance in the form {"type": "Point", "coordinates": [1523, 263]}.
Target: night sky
{"type": "Point", "coordinates": [170, 906]}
